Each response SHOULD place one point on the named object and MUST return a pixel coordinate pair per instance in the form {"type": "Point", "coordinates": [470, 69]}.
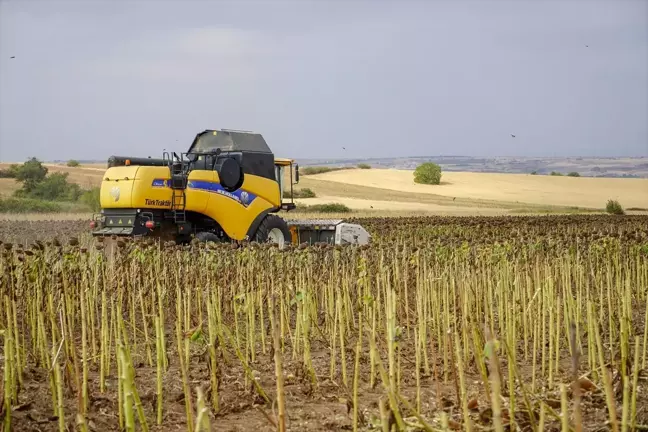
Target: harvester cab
{"type": "Point", "coordinates": [227, 187]}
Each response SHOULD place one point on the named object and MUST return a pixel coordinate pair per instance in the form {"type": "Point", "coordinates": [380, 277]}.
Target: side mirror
{"type": "Point", "coordinates": [296, 173]}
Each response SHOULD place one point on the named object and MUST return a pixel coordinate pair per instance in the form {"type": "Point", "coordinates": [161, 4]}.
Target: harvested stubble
{"type": "Point", "coordinates": [443, 324]}
{"type": "Point", "coordinates": [24, 231]}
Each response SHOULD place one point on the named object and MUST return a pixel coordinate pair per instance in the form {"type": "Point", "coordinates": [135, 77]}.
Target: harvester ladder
{"type": "Point", "coordinates": [178, 203]}
{"type": "Point", "coordinates": [178, 168]}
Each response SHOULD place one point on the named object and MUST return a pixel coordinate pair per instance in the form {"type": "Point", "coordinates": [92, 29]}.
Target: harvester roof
{"type": "Point", "coordinates": [229, 140]}
{"type": "Point", "coordinates": [283, 161]}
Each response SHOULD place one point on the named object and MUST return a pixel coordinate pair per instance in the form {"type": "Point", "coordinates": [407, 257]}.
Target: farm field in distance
{"type": "Point", "coordinates": [608, 167]}
{"type": "Point", "coordinates": [443, 323]}
{"type": "Point", "coordinates": [506, 189]}
{"type": "Point", "coordinates": [375, 191]}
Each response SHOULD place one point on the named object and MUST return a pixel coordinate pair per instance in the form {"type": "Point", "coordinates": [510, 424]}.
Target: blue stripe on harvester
{"type": "Point", "coordinates": [241, 196]}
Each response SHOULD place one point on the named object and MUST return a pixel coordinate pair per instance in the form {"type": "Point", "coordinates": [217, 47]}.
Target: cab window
{"type": "Point", "coordinates": [279, 176]}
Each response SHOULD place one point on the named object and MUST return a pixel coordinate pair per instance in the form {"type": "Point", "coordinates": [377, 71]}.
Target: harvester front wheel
{"type": "Point", "coordinates": [273, 229]}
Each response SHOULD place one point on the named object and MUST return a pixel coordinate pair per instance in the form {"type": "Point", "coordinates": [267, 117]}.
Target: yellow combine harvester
{"type": "Point", "coordinates": [227, 186]}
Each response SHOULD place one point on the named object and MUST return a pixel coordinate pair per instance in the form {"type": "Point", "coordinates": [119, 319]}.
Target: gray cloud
{"type": "Point", "coordinates": [91, 79]}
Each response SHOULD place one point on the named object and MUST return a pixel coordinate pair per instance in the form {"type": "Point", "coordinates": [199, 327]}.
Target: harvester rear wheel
{"type": "Point", "coordinates": [273, 229]}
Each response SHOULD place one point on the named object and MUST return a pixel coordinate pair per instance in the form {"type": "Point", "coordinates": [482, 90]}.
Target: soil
{"type": "Point", "coordinates": [324, 408]}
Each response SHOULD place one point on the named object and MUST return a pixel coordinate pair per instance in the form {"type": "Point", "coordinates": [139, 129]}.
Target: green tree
{"type": "Point", "coordinates": [364, 166]}
{"type": "Point", "coordinates": [614, 207]}
{"type": "Point", "coordinates": [73, 163]}
{"type": "Point", "coordinates": [56, 187]}
{"type": "Point", "coordinates": [573, 174]}
{"type": "Point", "coordinates": [91, 198]}
{"type": "Point", "coordinates": [30, 174]}
{"type": "Point", "coordinates": [428, 173]}
{"type": "Point", "coordinates": [300, 193]}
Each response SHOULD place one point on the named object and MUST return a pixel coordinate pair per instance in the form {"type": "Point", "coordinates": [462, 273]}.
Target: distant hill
{"type": "Point", "coordinates": [625, 167]}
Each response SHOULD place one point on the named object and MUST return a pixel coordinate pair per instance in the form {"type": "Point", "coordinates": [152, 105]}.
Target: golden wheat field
{"type": "Point", "coordinates": [86, 176]}
{"type": "Point", "coordinates": [530, 323]}
{"type": "Point", "coordinates": [587, 192]}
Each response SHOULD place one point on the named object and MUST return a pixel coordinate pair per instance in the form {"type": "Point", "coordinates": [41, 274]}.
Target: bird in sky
{"type": "Point", "coordinates": [513, 135]}
{"type": "Point", "coordinates": [586, 46]}
{"type": "Point", "coordinates": [12, 57]}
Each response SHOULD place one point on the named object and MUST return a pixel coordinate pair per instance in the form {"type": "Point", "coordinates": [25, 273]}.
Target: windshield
{"type": "Point", "coordinates": [206, 143]}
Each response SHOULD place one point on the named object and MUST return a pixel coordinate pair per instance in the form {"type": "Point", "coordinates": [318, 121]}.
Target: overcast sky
{"type": "Point", "coordinates": [91, 79]}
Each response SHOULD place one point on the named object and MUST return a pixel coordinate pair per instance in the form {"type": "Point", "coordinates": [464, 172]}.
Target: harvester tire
{"type": "Point", "coordinates": [270, 227]}
{"type": "Point", "coordinates": [205, 237]}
